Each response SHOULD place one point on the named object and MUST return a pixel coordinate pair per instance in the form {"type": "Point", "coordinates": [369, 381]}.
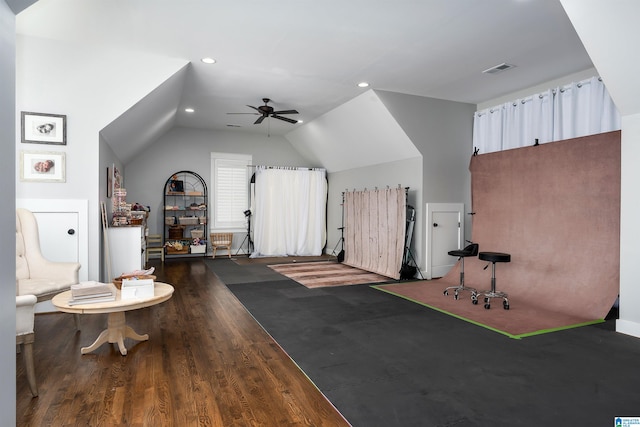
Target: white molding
{"type": "Point", "coordinates": [627, 327]}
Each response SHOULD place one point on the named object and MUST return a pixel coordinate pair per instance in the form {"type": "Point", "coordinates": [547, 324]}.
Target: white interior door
{"type": "Point", "coordinates": [63, 230]}
{"type": "Point", "coordinates": [445, 232]}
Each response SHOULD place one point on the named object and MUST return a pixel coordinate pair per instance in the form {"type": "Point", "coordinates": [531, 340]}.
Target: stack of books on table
{"type": "Point", "coordinates": [92, 292]}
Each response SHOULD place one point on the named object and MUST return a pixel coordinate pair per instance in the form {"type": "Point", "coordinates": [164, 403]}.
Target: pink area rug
{"type": "Point", "coordinates": [329, 273]}
{"type": "Point", "coordinates": [523, 319]}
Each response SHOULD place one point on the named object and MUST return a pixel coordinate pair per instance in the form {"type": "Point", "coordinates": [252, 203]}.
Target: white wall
{"type": "Point", "coordinates": [359, 133]}
{"type": "Point", "coordinates": [92, 86]}
{"type": "Point", "coordinates": [7, 213]}
{"type": "Point", "coordinates": [609, 31]}
{"type": "Point", "coordinates": [629, 315]}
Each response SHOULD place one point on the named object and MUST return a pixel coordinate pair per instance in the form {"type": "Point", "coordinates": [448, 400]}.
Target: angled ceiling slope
{"type": "Point", "coordinates": [141, 125]}
{"type": "Point", "coordinates": [359, 133]}
{"type": "Point", "coordinates": [18, 6]}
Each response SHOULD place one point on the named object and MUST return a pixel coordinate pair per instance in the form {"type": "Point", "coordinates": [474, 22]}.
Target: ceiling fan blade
{"type": "Point", "coordinates": [286, 119]}
{"type": "Point", "coordinates": [255, 108]}
{"type": "Point", "coordinates": [260, 119]}
{"type": "Point", "coordinates": [253, 114]}
{"type": "Point", "coordinates": [286, 112]}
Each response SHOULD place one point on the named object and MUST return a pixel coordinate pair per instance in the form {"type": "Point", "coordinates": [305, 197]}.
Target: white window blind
{"type": "Point", "coordinates": [230, 179]}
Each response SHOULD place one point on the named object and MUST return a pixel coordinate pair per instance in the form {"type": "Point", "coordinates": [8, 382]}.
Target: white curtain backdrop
{"type": "Point", "coordinates": [578, 109]}
{"type": "Point", "coordinates": [289, 215]}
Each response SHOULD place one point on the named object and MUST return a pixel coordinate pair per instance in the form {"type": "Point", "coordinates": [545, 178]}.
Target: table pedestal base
{"type": "Point", "coordinates": [117, 330]}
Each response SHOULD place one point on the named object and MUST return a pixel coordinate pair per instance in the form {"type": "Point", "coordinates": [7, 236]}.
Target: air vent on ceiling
{"type": "Point", "coordinates": [499, 68]}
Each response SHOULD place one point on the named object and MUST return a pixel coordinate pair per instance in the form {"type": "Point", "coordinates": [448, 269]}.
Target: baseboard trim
{"type": "Point", "coordinates": [628, 327]}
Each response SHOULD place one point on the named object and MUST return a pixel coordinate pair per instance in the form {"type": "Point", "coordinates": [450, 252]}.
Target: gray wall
{"type": "Point", "coordinates": [443, 132]}
{"type": "Point", "coordinates": [7, 211]}
{"type": "Point", "coordinates": [190, 149]}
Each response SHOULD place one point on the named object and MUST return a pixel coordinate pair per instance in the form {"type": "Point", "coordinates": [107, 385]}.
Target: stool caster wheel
{"type": "Point", "coordinates": [486, 300]}
{"type": "Point", "coordinates": [505, 305]}
{"type": "Point", "coordinates": [455, 295]}
{"type": "Point", "coordinates": [445, 292]}
{"type": "Point", "coordinates": [474, 301]}
{"type": "Point", "coordinates": [487, 305]}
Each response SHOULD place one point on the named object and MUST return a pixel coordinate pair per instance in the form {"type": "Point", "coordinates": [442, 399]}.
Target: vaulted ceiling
{"type": "Point", "coordinates": [310, 55]}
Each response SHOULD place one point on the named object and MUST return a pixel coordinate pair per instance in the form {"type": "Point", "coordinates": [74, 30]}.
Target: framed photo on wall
{"type": "Point", "coordinates": [110, 181]}
{"type": "Point", "coordinates": [42, 128]}
{"type": "Point", "coordinates": [43, 166]}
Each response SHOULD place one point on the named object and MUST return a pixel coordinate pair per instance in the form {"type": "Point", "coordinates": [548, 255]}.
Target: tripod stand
{"type": "Point", "coordinates": [247, 238]}
{"type": "Point", "coordinates": [340, 254]}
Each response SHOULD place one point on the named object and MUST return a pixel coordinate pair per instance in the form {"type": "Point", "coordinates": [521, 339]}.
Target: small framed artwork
{"type": "Point", "coordinates": [41, 128]}
{"type": "Point", "coordinates": [110, 181]}
{"type": "Point", "coordinates": [42, 166]}
{"type": "Point", "coordinates": [176, 186]}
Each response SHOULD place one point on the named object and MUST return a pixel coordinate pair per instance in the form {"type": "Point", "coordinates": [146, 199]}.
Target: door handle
{"type": "Point", "coordinates": [71, 232]}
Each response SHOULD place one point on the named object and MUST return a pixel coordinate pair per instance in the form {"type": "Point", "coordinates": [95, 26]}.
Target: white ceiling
{"type": "Point", "coordinates": [309, 55]}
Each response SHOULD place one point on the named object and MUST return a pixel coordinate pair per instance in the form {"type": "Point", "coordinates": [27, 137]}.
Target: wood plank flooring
{"type": "Point", "coordinates": [207, 363]}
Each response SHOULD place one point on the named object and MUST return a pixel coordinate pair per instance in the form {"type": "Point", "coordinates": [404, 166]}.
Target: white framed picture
{"type": "Point", "coordinates": [43, 166]}
{"type": "Point", "coordinates": [42, 128]}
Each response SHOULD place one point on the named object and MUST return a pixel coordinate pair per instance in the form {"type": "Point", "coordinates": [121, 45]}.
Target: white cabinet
{"type": "Point", "coordinates": [126, 249]}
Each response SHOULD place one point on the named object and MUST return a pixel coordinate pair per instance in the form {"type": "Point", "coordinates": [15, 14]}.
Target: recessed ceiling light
{"type": "Point", "coordinates": [189, 110]}
{"type": "Point", "coordinates": [363, 84]}
{"type": "Point", "coordinates": [208, 60]}
{"type": "Point", "coordinates": [300, 121]}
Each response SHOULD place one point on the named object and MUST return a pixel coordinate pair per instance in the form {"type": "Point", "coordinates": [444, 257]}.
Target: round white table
{"type": "Point", "coordinates": [117, 329]}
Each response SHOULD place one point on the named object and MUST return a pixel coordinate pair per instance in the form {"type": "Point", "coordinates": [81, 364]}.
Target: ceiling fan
{"type": "Point", "coordinates": [267, 111]}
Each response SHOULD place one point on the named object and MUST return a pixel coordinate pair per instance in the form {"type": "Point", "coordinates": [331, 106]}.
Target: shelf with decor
{"type": "Point", "coordinates": [185, 215]}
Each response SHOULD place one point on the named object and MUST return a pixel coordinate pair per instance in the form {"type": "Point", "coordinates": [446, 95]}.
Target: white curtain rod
{"type": "Point", "coordinates": [286, 167]}
{"type": "Point", "coordinates": [530, 97]}
{"type": "Point", "coordinates": [406, 189]}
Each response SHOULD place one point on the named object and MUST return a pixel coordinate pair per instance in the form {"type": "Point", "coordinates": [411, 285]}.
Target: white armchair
{"type": "Point", "coordinates": [36, 275]}
{"type": "Point", "coordinates": [25, 336]}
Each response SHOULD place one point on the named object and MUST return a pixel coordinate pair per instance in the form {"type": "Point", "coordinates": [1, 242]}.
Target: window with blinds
{"type": "Point", "coordinates": [230, 188]}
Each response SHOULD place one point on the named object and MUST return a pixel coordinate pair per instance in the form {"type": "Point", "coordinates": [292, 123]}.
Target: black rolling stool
{"type": "Point", "coordinates": [494, 257]}
{"type": "Point", "coordinates": [469, 250]}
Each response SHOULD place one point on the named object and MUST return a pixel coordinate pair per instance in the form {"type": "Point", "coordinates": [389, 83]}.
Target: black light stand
{"type": "Point", "coordinates": [247, 238]}
{"type": "Point", "coordinates": [340, 255]}
{"type": "Point", "coordinates": [409, 264]}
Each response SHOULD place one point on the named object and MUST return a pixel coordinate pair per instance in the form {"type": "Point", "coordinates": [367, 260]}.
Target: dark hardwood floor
{"type": "Point", "coordinates": [207, 363]}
